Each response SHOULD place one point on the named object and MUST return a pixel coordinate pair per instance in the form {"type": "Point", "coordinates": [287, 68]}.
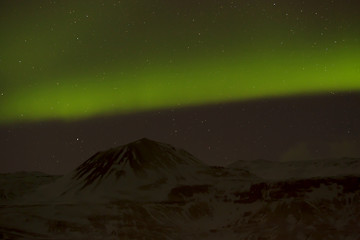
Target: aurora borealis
{"type": "Point", "coordinates": [225, 80]}
{"type": "Point", "coordinates": [76, 59]}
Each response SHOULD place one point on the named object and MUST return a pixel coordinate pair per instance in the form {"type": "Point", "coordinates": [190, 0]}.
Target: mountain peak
{"type": "Point", "coordinates": [143, 142]}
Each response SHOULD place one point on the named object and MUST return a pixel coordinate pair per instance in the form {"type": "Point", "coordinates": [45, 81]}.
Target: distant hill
{"type": "Point", "coordinates": [15, 185]}
{"type": "Point", "coordinates": [277, 170]}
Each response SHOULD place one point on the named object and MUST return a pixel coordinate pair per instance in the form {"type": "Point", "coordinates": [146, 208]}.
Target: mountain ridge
{"type": "Point", "coordinates": [278, 170]}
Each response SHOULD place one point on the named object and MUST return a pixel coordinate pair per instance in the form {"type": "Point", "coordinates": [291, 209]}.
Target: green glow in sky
{"type": "Point", "coordinates": [73, 60]}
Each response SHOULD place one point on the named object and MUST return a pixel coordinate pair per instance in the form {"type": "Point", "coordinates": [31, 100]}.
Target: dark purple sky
{"type": "Point", "coordinates": [308, 127]}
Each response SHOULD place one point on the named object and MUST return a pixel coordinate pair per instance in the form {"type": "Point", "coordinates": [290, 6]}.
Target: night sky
{"type": "Point", "coordinates": [226, 80]}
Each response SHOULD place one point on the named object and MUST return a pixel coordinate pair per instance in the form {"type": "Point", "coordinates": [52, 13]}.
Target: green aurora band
{"type": "Point", "coordinates": [92, 69]}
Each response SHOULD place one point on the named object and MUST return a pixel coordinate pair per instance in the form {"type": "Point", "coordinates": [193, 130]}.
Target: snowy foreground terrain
{"type": "Point", "coordinates": [150, 190]}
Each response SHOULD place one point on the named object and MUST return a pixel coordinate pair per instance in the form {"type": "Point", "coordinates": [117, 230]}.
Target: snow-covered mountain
{"type": "Point", "coordinates": [137, 160]}
{"type": "Point", "coordinates": [151, 190]}
{"type": "Point", "coordinates": [143, 170]}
